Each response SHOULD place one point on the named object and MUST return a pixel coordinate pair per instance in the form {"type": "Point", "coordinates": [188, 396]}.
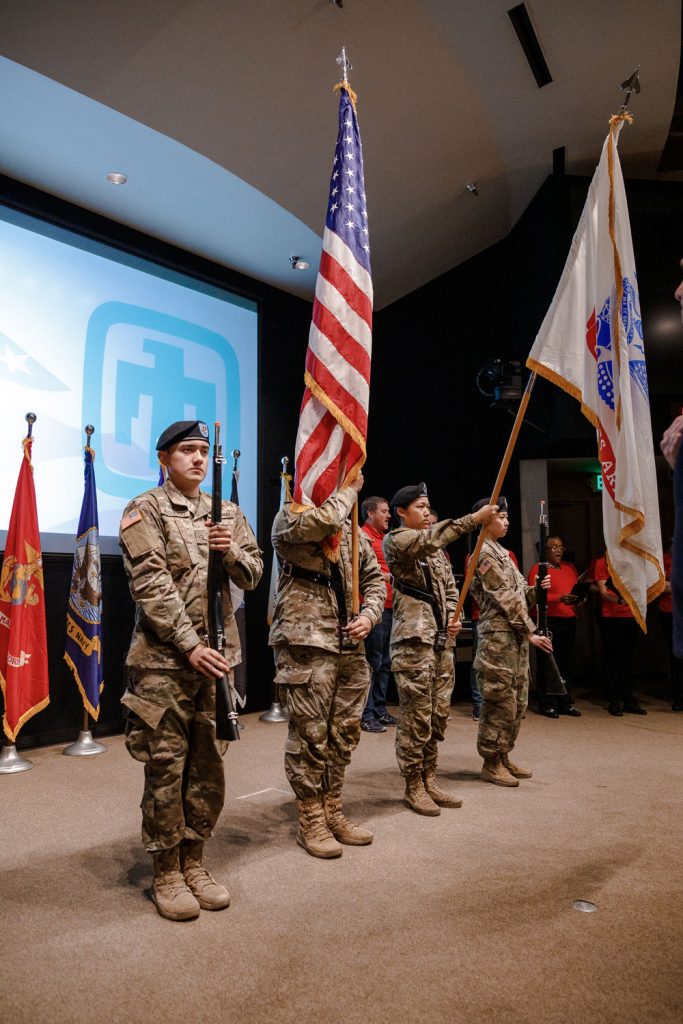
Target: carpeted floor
{"type": "Point", "coordinates": [463, 918]}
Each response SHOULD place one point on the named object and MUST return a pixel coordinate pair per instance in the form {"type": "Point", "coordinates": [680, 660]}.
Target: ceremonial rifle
{"type": "Point", "coordinates": [551, 679]}
{"type": "Point", "coordinates": [227, 725]}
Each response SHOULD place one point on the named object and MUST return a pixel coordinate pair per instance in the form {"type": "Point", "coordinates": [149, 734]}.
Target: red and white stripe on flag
{"type": "Point", "coordinates": [591, 344]}
{"type": "Point", "coordinates": [333, 423]}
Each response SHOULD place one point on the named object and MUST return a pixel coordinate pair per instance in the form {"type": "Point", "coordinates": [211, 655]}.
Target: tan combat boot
{"type": "Point", "coordinates": [416, 796]}
{"type": "Point", "coordinates": [514, 769]}
{"type": "Point", "coordinates": [313, 834]}
{"type": "Point", "coordinates": [438, 795]}
{"type": "Point", "coordinates": [207, 891]}
{"type": "Point", "coordinates": [343, 830]}
{"type": "Point", "coordinates": [494, 771]}
{"type": "Point", "coordinates": [171, 895]}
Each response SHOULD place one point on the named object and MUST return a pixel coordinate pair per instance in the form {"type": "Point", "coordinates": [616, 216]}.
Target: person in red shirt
{"type": "Point", "coordinates": [619, 637]}
{"type": "Point", "coordinates": [376, 516]}
{"type": "Point", "coordinates": [562, 625]}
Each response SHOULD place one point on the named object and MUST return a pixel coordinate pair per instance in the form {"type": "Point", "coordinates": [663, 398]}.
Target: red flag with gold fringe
{"type": "Point", "coordinates": [23, 638]}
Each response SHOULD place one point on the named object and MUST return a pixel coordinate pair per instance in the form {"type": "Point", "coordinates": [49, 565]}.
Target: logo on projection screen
{"type": "Point", "coordinates": [143, 370]}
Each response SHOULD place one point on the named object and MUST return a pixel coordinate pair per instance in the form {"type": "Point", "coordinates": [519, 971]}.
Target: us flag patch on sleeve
{"type": "Point", "coordinates": [485, 565]}
{"type": "Point", "coordinates": [133, 517]}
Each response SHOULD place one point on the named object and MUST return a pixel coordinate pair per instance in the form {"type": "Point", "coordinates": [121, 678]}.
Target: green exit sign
{"type": "Point", "coordinates": [596, 482]}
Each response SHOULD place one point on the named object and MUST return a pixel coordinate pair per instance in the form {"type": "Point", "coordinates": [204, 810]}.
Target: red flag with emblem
{"type": "Point", "coordinates": [23, 638]}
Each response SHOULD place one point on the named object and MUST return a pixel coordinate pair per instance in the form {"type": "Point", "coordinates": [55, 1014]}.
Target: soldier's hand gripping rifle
{"type": "Point", "coordinates": [548, 674]}
{"type": "Point", "coordinates": [227, 725]}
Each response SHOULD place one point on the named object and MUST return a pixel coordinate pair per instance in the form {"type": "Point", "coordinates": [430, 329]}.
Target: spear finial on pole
{"type": "Point", "coordinates": [89, 431]}
{"type": "Point", "coordinates": [345, 65]}
{"type": "Point", "coordinates": [632, 84]}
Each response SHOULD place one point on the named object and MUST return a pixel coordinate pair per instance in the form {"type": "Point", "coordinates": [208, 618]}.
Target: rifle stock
{"type": "Point", "coordinates": [227, 724]}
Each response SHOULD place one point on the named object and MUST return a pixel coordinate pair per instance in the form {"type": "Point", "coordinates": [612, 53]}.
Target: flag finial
{"type": "Point", "coordinates": [345, 65]}
{"type": "Point", "coordinates": [632, 84]}
{"type": "Point", "coordinates": [30, 419]}
{"type": "Point", "coordinates": [89, 431]}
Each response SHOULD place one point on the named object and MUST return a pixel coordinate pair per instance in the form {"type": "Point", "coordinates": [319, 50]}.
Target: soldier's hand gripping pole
{"type": "Point", "coordinates": [227, 724]}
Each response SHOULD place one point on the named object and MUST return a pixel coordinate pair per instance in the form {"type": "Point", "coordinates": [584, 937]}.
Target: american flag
{"type": "Point", "coordinates": [333, 424]}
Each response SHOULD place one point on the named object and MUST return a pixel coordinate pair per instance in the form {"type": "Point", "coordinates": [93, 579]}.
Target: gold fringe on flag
{"type": "Point", "coordinates": [345, 85]}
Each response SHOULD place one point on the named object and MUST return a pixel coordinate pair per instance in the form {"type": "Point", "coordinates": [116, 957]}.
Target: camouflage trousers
{"type": "Point", "coordinates": [325, 694]}
{"type": "Point", "coordinates": [424, 680]}
{"type": "Point", "coordinates": [171, 729]}
{"type": "Point", "coordinates": [502, 667]}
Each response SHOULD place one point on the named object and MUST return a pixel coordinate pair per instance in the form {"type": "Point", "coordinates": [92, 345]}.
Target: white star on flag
{"type": "Point", "coordinates": [14, 360]}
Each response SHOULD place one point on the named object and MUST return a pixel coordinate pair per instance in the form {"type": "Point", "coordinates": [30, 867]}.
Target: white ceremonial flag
{"type": "Point", "coordinates": [591, 345]}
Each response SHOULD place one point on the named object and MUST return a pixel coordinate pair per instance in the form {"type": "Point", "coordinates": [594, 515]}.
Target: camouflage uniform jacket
{"type": "Point", "coordinates": [165, 547]}
{"type": "Point", "coordinates": [502, 593]}
{"type": "Point", "coordinates": [405, 551]}
{"type": "Point", "coordinates": [305, 612]}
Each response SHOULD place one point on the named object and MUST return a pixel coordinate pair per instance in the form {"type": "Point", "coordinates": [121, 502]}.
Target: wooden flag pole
{"type": "Point", "coordinates": [355, 573]}
{"type": "Point", "coordinates": [516, 427]}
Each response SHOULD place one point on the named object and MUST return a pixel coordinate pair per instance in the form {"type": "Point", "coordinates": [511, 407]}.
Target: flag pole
{"type": "Point", "coordinates": [276, 713]}
{"type": "Point", "coordinates": [347, 66]}
{"type": "Point", "coordinates": [355, 573]}
{"type": "Point", "coordinates": [85, 744]}
{"type": "Point", "coordinates": [11, 760]}
{"type": "Point", "coordinates": [514, 434]}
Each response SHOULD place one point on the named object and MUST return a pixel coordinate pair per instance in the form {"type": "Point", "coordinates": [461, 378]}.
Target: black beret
{"type": "Point", "coordinates": [502, 504]}
{"type": "Point", "coordinates": [183, 430]}
{"type": "Point", "coordinates": [405, 495]}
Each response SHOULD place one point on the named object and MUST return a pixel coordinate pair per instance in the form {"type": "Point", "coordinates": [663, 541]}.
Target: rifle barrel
{"type": "Point", "coordinates": [227, 722]}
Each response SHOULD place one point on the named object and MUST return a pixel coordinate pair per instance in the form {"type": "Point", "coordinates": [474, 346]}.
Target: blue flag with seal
{"type": "Point", "coordinates": [83, 653]}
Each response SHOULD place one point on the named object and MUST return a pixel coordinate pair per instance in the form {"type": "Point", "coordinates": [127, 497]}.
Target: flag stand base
{"type": "Point", "coordinates": [84, 745]}
{"type": "Point", "coordinates": [11, 761]}
{"type": "Point", "coordinates": [275, 713]}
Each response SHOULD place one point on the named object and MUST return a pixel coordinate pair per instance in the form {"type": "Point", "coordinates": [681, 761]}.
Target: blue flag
{"type": "Point", "coordinates": [83, 652]}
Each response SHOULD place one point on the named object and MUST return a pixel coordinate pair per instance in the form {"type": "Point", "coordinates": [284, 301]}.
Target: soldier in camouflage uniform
{"type": "Point", "coordinates": [422, 636]}
{"type": "Point", "coordinates": [505, 631]}
{"type": "Point", "coordinates": [321, 671]}
{"type": "Point", "coordinates": [165, 536]}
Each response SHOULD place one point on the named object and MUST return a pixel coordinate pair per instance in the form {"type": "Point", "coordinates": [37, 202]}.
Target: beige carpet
{"type": "Point", "coordinates": [463, 918]}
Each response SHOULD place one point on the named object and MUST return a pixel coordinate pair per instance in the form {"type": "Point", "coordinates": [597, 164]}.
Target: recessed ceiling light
{"type": "Point", "coordinates": [297, 263]}
{"type": "Point", "coordinates": [117, 178]}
